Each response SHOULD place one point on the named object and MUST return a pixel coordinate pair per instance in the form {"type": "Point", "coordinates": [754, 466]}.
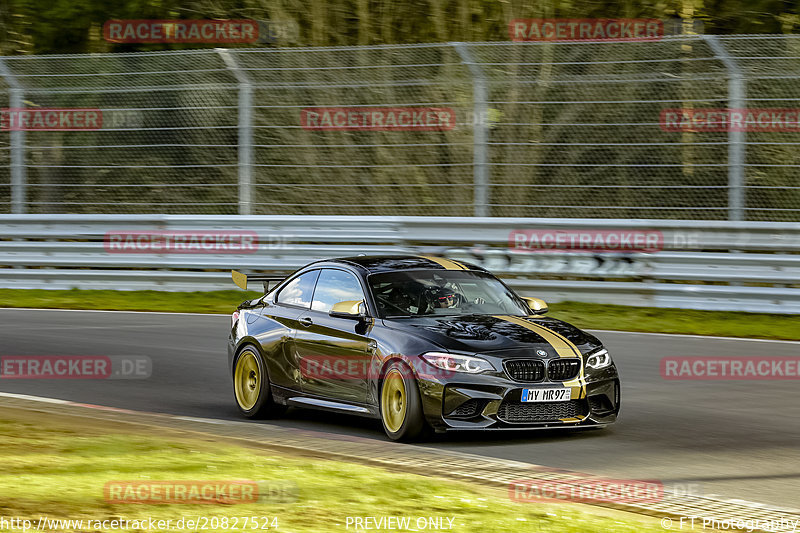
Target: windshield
{"type": "Point", "coordinates": [442, 292]}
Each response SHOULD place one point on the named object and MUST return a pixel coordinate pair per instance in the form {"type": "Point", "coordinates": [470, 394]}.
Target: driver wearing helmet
{"type": "Point", "coordinates": [442, 298]}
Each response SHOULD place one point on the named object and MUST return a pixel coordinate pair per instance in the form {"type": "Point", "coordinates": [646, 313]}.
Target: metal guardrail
{"type": "Point", "coordinates": [746, 266]}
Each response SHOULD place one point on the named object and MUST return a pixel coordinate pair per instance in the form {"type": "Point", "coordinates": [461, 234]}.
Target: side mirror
{"type": "Point", "coordinates": [536, 305]}
{"type": "Point", "coordinates": [354, 309]}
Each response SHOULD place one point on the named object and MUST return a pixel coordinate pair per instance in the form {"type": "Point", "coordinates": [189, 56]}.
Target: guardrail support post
{"type": "Point", "coordinates": [737, 141]}
{"type": "Point", "coordinates": [245, 132]}
{"type": "Point", "coordinates": [480, 131]}
{"type": "Point", "coordinates": [17, 143]}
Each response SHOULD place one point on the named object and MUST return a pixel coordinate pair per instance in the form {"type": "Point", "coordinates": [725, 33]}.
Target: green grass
{"type": "Point", "coordinates": [723, 323]}
{"type": "Point", "coordinates": [185, 302]}
{"type": "Point", "coordinates": [57, 468]}
{"type": "Point", "coordinates": [584, 315]}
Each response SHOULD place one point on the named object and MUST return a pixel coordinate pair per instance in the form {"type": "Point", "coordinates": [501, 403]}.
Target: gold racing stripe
{"type": "Point", "coordinates": [462, 265]}
{"type": "Point", "coordinates": [446, 263]}
{"type": "Point", "coordinates": [564, 348]}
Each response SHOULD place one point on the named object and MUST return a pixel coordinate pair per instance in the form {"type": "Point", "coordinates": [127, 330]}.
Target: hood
{"type": "Point", "coordinates": [487, 333]}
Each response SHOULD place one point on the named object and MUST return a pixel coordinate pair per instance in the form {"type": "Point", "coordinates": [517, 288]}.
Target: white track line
{"type": "Point", "coordinates": [44, 399]}
{"type": "Point", "coordinates": [34, 398]}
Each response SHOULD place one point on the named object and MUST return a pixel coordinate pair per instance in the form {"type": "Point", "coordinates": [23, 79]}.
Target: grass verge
{"type": "Point", "coordinates": [57, 468]}
{"type": "Point", "coordinates": [583, 315]}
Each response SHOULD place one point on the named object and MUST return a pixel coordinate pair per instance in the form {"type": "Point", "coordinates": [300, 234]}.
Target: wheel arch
{"type": "Point", "coordinates": [240, 346]}
{"type": "Point", "coordinates": [386, 363]}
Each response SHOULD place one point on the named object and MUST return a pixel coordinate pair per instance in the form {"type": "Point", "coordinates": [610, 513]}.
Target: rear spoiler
{"type": "Point", "coordinates": [243, 279]}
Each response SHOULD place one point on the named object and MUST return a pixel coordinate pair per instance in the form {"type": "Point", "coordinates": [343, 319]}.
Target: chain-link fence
{"type": "Point", "coordinates": [541, 129]}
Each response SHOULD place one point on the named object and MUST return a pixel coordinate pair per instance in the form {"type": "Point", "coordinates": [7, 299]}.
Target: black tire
{"type": "Point", "coordinates": [251, 387]}
{"type": "Point", "coordinates": [401, 416]}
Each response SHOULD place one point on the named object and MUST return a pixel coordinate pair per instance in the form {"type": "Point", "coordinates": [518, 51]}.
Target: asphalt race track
{"type": "Point", "coordinates": [731, 439]}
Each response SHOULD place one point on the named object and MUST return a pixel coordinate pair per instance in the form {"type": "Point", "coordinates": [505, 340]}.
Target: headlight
{"type": "Point", "coordinates": [599, 360]}
{"type": "Point", "coordinates": [457, 363]}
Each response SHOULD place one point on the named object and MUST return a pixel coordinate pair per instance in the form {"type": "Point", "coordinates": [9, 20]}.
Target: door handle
{"type": "Point", "coordinates": [306, 321]}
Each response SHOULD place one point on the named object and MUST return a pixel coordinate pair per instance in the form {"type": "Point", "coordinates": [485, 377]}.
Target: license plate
{"type": "Point", "coordinates": [546, 395]}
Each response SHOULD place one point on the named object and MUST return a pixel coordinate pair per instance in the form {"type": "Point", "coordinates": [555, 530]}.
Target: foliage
{"type": "Point", "coordinates": [75, 26]}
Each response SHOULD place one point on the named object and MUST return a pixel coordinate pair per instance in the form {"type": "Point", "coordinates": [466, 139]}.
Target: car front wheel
{"type": "Point", "coordinates": [401, 408]}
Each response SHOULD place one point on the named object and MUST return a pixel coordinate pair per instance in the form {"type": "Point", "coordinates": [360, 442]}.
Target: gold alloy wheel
{"type": "Point", "coordinates": [247, 380]}
{"type": "Point", "coordinates": [393, 400]}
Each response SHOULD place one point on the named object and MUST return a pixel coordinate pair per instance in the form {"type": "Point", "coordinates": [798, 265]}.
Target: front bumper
{"type": "Point", "coordinates": [477, 402]}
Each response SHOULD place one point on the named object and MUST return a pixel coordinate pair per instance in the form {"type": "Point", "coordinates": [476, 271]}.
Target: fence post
{"type": "Point", "coordinates": [480, 131]}
{"type": "Point", "coordinates": [245, 142]}
{"type": "Point", "coordinates": [737, 141]}
{"type": "Point", "coordinates": [17, 143]}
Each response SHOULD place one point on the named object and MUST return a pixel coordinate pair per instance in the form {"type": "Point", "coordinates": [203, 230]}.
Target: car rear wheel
{"type": "Point", "coordinates": [251, 386]}
{"type": "Point", "coordinates": [401, 408]}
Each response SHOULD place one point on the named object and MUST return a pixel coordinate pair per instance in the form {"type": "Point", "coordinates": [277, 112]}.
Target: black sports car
{"type": "Point", "coordinates": [418, 342]}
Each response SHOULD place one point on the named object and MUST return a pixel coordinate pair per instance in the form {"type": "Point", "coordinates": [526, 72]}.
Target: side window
{"type": "Point", "coordinates": [335, 286]}
{"type": "Point", "coordinates": [299, 290]}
